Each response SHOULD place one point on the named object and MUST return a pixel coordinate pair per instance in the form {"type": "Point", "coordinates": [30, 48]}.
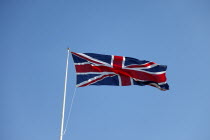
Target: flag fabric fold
{"type": "Point", "coordinates": [100, 69]}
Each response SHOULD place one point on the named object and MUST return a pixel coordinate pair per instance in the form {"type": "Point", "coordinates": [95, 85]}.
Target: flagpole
{"type": "Point", "coordinates": [64, 97]}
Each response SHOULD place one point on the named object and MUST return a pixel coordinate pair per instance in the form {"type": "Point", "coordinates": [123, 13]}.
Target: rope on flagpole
{"type": "Point", "coordinates": [70, 110]}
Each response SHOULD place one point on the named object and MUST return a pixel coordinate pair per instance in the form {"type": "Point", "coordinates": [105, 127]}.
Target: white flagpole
{"type": "Point", "coordinates": [64, 97]}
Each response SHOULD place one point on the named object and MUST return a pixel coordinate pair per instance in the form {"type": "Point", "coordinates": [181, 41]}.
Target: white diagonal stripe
{"type": "Point", "coordinates": [94, 78]}
{"type": "Point", "coordinates": [91, 79]}
{"type": "Point", "coordinates": [83, 63]}
{"type": "Point", "coordinates": [162, 83]}
{"type": "Point", "coordinates": [151, 66]}
{"type": "Point", "coordinates": [92, 58]}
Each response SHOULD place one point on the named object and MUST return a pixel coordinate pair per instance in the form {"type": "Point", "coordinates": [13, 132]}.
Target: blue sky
{"type": "Point", "coordinates": [34, 37]}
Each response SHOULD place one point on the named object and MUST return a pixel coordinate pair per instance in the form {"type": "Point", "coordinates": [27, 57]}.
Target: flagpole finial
{"type": "Point", "coordinates": [68, 49]}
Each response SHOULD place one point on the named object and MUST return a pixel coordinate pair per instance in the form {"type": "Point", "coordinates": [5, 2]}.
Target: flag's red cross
{"type": "Point", "coordinates": [118, 69]}
{"type": "Point", "coordinates": [125, 73]}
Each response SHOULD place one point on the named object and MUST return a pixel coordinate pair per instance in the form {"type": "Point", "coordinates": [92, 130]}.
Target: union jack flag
{"type": "Point", "coordinates": [100, 69]}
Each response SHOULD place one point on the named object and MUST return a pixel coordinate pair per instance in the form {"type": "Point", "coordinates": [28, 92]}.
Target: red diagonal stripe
{"type": "Point", "coordinates": [91, 68]}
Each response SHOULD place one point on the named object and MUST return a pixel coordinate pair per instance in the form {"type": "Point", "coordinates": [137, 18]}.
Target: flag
{"type": "Point", "coordinates": [100, 69]}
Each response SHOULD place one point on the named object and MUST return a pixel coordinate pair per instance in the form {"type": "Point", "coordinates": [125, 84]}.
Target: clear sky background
{"type": "Point", "coordinates": [33, 40]}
